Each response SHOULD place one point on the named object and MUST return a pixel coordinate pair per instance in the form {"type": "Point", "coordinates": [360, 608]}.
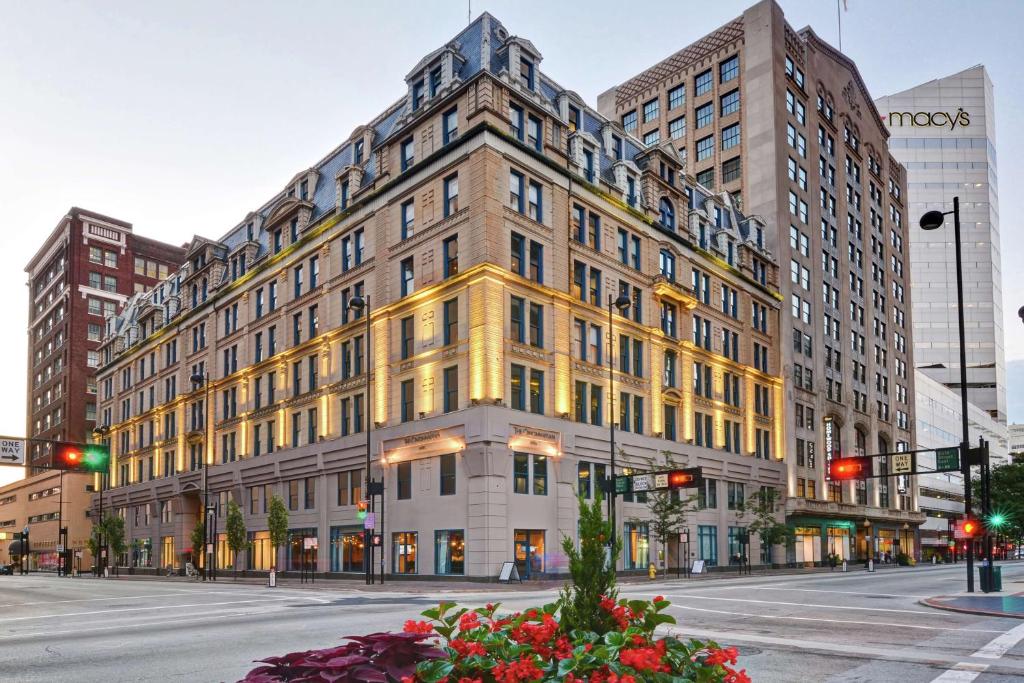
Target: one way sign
{"type": "Point", "coordinates": [12, 452]}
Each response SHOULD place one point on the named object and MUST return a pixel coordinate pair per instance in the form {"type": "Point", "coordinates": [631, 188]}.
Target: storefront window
{"type": "Point", "coordinates": [302, 550]}
{"type": "Point", "coordinates": [807, 544]}
{"type": "Point", "coordinates": [839, 542]}
{"type": "Point", "coordinates": [346, 549]}
{"type": "Point", "coordinates": [450, 552]}
{"type": "Point", "coordinates": [225, 558]}
{"type": "Point", "coordinates": [636, 551]}
{"type": "Point", "coordinates": [707, 544]}
{"type": "Point", "coordinates": [529, 552]}
{"type": "Point", "coordinates": [142, 552]}
{"type": "Point", "coordinates": [736, 549]}
{"type": "Point", "coordinates": [167, 557]}
{"type": "Point", "coordinates": [403, 552]}
{"type": "Point", "coordinates": [261, 553]}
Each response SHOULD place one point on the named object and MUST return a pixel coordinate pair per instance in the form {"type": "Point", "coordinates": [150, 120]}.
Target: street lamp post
{"type": "Point", "coordinates": [932, 221]}
{"type": "Point", "coordinates": [203, 380]}
{"type": "Point", "coordinates": [99, 434]}
{"type": "Point", "coordinates": [622, 303]}
{"type": "Point", "coordinates": [361, 305]}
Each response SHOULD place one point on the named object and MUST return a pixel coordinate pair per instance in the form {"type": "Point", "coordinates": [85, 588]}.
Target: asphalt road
{"type": "Point", "coordinates": [820, 627]}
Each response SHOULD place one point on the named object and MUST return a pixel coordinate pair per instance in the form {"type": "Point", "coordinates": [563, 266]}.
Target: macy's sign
{"type": "Point", "coordinates": [924, 119]}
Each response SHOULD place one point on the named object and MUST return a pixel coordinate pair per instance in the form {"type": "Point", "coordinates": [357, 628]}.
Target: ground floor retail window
{"type": "Point", "coordinates": [707, 544]}
{"type": "Point", "coordinates": [529, 551]}
{"type": "Point", "coordinates": [167, 556]}
{"type": "Point", "coordinates": [302, 549]}
{"type": "Point", "coordinates": [261, 553]}
{"type": "Point", "coordinates": [839, 543]}
{"type": "Point", "coordinates": [637, 545]}
{"type": "Point", "coordinates": [450, 552]}
{"type": "Point", "coordinates": [225, 558]}
{"type": "Point", "coordinates": [346, 549]}
{"type": "Point", "coordinates": [403, 552]}
{"type": "Point", "coordinates": [142, 552]}
{"type": "Point", "coordinates": [736, 545]}
{"type": "Point", "coordinates": [807, 544]}
{"type": "Point", "coordinates": [886, 545]}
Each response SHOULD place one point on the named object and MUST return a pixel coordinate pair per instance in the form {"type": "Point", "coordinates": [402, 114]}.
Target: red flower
{"type": "Point", "coordinates": [417, 627]}
{"type": "Point", "coordinates": [659, 598]}
{"type": "Point", "coordinates": [469, 621]}
{"type": "Point", "coordinates": [721, 656]}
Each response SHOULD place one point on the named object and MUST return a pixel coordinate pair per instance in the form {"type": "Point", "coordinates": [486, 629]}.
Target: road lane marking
{"type": "Point", "coordinates": [690, 596]}
{"type": "Point", "coordinates": [994, 649]}
{"type": "Point", "coordinates": [140, 609]}
{"type": "Point", "coordinates": [838, 621]}
{"type": "Point", "coordinates": [127, 597]}
{"type": "Point", "coordinates": [91, 629]}
{"type": "Point", "coordinates": [819, 590]}
{"type": "Point", "coordinates": [1001, 645]}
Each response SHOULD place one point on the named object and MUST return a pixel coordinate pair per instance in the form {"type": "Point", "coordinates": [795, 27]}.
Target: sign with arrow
{"type": "Point", "coordinates": [12, 452]}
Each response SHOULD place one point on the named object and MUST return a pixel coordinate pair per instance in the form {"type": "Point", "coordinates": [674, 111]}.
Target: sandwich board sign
{"type": "Point", "coordinates": [509, 571]}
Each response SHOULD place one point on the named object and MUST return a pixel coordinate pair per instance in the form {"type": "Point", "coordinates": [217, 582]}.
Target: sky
{"type": "Point", "coordinates": [181, 117]}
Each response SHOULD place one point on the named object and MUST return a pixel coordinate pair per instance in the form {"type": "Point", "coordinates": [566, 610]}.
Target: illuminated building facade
{"type": "Point", "coordinates": [783, 122]}
{"type": "Point", "coordinates": [490, 216]}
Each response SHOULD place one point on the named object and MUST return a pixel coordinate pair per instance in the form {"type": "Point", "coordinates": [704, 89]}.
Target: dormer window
{"type": "Point", "coordinates": [357, 152]}
{"type": "Point", "coordinates": [304, 190]}
{"type": "Point", "coordinates": [575, 118]}
{"type": "Point", "coordinates": [718, 216]}
{"type": "Point", "coordinates": [417, 95]}
{"type": "Point", "coordinates": [631, 191]}
{"type": "Point", "coordinates": [759, 237]}
{"type": "Point", "coordinates": [668, 214]}
{"type": "Point", "coordinates": [527, 72]}
{"type": "Point", "coordinates": [617, 147]}
{"type": "Point", "coordinates": [588, 165]}
{"type": "Point", "coordinates": [435, 81]}
{"type": "Point", "coordinates": [730, 252]}
{"type": "Point", "coordinates": [248, 231]}
{"type": "Point", "coordinates": [344, 194]}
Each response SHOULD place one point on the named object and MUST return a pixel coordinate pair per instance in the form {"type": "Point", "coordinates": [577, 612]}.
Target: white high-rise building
{"type": "Point", "coordinates": [943, 131]}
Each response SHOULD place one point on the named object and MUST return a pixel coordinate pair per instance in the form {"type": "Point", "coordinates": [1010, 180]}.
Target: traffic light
{"type": "Point", "coordinates": [81, 457]}
{"type": "Point", "coordinates": [378, 540]}
{"type": "Point", "coordinates": [679, 479]}
{"type": "Point", "coordinates": [361, 508]}
{"type": "Point", "coordinates": [849, 468]}
{"type": "Point", "coordinates": [967, 528]}
{"type": "Point", "coordinates": [997, 520]}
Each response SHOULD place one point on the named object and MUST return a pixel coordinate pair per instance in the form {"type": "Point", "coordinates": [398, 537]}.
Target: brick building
{"type": "Point", "coordinates": [784, 123]}
{"type": "Point", "coordinates": [491, 216]}
{"type": "Point", "coordinates": [86, 269]}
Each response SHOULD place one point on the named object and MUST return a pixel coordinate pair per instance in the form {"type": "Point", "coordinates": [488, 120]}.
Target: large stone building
{"type": "Point", "coordinates": [87, 267]}
{"type": "Point", "coordinates": [783, 122]}
{"type": "Point", "coordinates": [35, 504]}
{"type": "Point", "coordinates": [943, 132]}
{"type": "Point", "coordinates": [490, 216]}
{"type": "Point", "coordinates": [939, 425]}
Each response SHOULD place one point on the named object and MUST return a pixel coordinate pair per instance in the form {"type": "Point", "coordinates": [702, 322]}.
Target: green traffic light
{"type": "Point", "coordinates": [997, 520]}
{"type": "Point", "coordinates": [96, 458]}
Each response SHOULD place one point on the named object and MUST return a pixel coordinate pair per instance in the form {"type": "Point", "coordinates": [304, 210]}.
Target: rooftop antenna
{"type": "Point", "coordinates": [839, 19]}
{"type": "Point", "coordinates": [469, 12]}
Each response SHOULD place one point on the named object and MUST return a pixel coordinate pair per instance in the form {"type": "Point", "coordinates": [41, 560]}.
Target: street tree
{"type": "Point", "coordinates": [113, 531]}
{"type": "Point", "coordinates": [1007, 483]}
{"type": "Point", "coordinates": [668, 510]}
{"type": "Point", "coordinates": [198, 538]}
{"type": "Point", "coordinates": [763, 506]}
{"type": "Point", "coordinates": [238, 538]}
{"type": "Point", "coordinates": [277, 524]}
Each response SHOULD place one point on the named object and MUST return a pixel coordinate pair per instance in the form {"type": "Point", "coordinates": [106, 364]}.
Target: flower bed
{"type": "Point", "coordinates": [457, 645]}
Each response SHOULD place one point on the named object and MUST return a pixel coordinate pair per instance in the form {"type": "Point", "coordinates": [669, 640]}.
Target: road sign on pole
{"type": "Point", "coordinates": [12, 452]}
{"type": "Point", "coordinates": [903, 463]}
{"type": "Point", "coordinates": [947, 459]}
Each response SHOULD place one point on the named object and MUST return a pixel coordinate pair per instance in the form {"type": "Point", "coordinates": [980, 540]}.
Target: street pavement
{"type": "Point", "coordinates": [815, 627]}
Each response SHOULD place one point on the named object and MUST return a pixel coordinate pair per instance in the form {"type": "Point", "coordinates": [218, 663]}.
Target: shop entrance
{"type": "Point", "coordinates": [529, 552]}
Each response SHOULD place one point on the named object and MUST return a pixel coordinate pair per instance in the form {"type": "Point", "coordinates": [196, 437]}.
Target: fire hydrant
{"type": "Point", "coordinates": [652, 572]}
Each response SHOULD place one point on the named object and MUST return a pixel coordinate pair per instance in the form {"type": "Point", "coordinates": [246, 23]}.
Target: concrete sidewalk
{"type": "Point", "coordinates": [989, 605]}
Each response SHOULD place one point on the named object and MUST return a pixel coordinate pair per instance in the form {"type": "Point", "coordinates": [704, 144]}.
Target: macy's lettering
{"type": "Point", "coordinates": [925, 119]}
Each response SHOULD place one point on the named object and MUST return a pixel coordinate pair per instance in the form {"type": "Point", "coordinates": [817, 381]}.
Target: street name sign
{"type": "Point", "coordinates": [947, 459]}
{"type": "Point", "coordinates": [12, 452]}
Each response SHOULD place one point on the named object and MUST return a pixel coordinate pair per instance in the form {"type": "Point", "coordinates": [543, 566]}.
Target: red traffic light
{"type": "Point", "coordinates": [967, 528]}
{"type": "Point", "coordinates": [68, 456]}
{"type": "Point", "coordinates": [361, 509]}
{"type": "Point", "coordinates": [849, 468]}
{"type": "Point", "coordinates": [678, 479]}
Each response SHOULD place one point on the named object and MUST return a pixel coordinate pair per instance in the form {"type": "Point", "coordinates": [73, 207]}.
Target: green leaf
{"type": "Point", "coordinates": [565, 666]}
{"type": "Point", "coordinates": [615, 638]}
{"type": "Point", "coordinates": [433, 671]}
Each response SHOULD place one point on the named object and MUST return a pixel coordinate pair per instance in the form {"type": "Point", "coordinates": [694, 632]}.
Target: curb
{"type": "Point", "coordinates": [936, 603]}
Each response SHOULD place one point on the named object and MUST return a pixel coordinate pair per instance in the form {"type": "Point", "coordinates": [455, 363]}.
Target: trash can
{"type": "Point", "coordinates": [997, 578]}
{"type": "Point", "coordinates": [993, 582]}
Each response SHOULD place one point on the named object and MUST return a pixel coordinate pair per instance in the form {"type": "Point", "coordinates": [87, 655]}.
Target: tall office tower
{"type": "Point", "coordinates": [492, 218]}
{"type": "Point", "coordinates": [87, 267]}
{"type": "Point", "coordinates": [943, 132]}
{"type": "Point", "coordinates": [783, 122]}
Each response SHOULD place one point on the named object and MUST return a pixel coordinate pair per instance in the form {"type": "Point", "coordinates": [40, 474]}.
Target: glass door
{"type": "Point", "coordinates": [529, 552]}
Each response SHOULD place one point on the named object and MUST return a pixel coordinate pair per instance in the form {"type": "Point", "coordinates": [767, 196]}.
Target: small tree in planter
{"type": "Point", "coordinates": [592, 571]}
{"type": "Point", "coordinates": [238, 537]}
{"type": "Point", "coordinates": [277, 524]}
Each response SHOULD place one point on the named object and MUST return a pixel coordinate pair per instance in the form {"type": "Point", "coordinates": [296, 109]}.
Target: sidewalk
{"type": "Point", "coordinates": [989, 605]}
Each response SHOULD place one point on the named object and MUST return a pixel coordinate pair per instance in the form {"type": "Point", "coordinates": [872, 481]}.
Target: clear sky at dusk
{"type": "Point", "coordinates": [180, 117]}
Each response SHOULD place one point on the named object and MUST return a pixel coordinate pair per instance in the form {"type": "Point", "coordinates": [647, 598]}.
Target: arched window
{"type": "Point", "coordinates": [668, 214]}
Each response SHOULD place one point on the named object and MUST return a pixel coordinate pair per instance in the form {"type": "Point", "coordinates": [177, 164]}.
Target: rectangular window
{"type": "Point", "coordinates": [536, 206]}
{"type": "Point", "coordinates": [451, 321]}
{"type": "Point", "coordinates": [451, 194]}
{"type": "Point", "coordinates": [629, 122]}
{"type": "Point", "coordinates": [451, 389]}
{"type": "Point", "coordinates": [731, 136]}
{"type": "Point", "coordinates": [650, 110]}
{"type": "Point", "coordinates": [704, 115]}
{"type": "Point", "coordinates": [407, 407]}
{"type": "Point", "coordinates": [677, 128]}
{"type": "Point", "coordinates": [450, 125]}
{"type": "Point", "coordinates": [450, 254]}
{"type": "Point", "coordinates": [447, 468]}
{"type": "Point", "coordinates": [407, 277]}
{"type": "Point", "coordinates": [729, 103]}
{"type": "Point", "coordinates": [408, 154]}
{"type": "Point", "coordinates": [515, 191]}
{"type": "Point", "coordinates": [408, 213]}
{"type": "Point", "coordinates": [702, 83]}
{"type": "Point", "coordinates": [677, 96]}
{"type": "Point", "coordinates": [705, 147]}
{"type": "Point", "coordinates": [404, 480]}
{"type": "Point", "coordinates": [729, 69]}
